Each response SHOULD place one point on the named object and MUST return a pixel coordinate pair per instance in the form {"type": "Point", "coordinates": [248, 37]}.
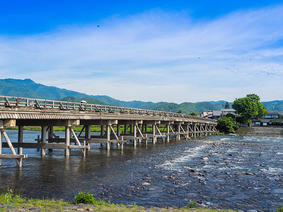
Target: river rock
{"type": "Point", "coordinates": [145, 184]}
{"type": "Point", "coordinates": [202, 182]}
{"type": "Point", "coordinates": [204, 158]}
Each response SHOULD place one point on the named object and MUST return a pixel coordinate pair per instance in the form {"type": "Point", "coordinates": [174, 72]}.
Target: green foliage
{"type": "Point", "coordinates": [280, 209]}
{"type": "Point", "coordinates": [179, 111]}
{"type": "Point", "coordinates": [227, 105]}
{"type": "Point", "coordinates": [85, 198]}
{"type": "Point", "coordinates": [248, 107]}
{"type": "Point", "coordinates": [227, 124]}
{"type": "Point", "coordinates": [17, 203]}
{"type": "Point", "coordinates": [193, 114]}
{"type": "Point", "coordinates": [192, 204]}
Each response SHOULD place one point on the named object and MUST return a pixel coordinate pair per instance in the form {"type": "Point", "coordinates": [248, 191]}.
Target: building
{"type": "Point", "coordinates": [272, 118]}
{"type": "Point", "coordinates": [216, 114]}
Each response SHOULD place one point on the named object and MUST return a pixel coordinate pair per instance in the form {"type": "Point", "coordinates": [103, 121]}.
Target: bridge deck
{"type": "Point", "coordinates": [118, 125]}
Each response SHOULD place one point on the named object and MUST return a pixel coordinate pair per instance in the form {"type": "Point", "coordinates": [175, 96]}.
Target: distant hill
{"type": "Point", "coordinates": [29, 88]}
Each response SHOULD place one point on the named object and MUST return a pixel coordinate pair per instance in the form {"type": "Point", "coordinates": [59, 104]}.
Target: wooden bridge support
{"type": "Point", "coordinates": [110, 134]}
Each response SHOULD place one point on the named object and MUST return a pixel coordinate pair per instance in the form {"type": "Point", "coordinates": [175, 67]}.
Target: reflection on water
{"type": "Point", "coordinates": [217, 171]}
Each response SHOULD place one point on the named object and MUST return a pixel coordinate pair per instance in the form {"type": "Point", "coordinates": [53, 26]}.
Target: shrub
{"type": "Point", "coordinates": [85, 198]}
{"type": "Point", "coordinates": [280, 209]}
{"type": "Point", "coordinates": [192, 204]}
{"type": "Point", "coordinates": [227, 124]}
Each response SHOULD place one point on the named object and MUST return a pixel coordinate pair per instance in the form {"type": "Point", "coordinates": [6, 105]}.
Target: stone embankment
{"type": "Point", "coordinates": [265, 131]}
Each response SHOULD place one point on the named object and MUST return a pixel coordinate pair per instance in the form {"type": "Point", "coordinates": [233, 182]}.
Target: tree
{"type": "Point", "coordinates": [227, 124]}
{"type": "Point", "coordinates": [249, 107]}
{"type": "Point", "coordinates": [227, 105]}
{"type": "Point", "coordinates": [193, 114]}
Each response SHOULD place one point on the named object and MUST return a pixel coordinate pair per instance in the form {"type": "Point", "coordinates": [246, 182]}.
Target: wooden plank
{"type": "Point", "coordinates": [54, 146]}
{"type": "Point", "coordinates": [75, 136]}
{"type": "Point", "coordinates": [23, 145]}
{"type": "Point", "coordinates": [9, 156]}
{"type": "Point", "coordinates": [77, 147]}
{"type": "Point", "coordinates": [102, 140]}
{"type": "Point", "coordinates": [9, 142]}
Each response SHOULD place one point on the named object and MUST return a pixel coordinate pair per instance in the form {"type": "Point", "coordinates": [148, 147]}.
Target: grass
{"type": "Point", "coordinates": [83, 201]}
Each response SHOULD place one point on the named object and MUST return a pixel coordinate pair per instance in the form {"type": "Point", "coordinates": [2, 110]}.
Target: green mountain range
{"type": "Point", "coordinates": [29, 88]}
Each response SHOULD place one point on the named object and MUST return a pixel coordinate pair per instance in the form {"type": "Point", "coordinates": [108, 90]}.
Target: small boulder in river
{"type": "Point", "coordinates": [145, 184]}
{"type": "Point", "coordinates": [204, 158]}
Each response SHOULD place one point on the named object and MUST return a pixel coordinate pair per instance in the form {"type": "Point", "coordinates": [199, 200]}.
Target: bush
{"type": "Point", "coordinates": [227, 124]}
{"type": "Point", "coordinates": [192, 204]}
{"type": "Point", "coordinates": [85, 198]}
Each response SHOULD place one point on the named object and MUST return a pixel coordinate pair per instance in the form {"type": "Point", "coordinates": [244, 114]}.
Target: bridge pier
{"type": "Point", "coordinates": [108, 137]}
{"type": "Point", "coordinates": [50, 136]}
{"type": "Point", "coordinates": [43, 139]}
{"type": "Point", "coordinates": [20, 141]}
{"type": "Point", "coordinates": [67, 140]}
{"type": "Point", "coordinates": [154, 139]}
{"type": "Point", "coordinates": [178, 137]}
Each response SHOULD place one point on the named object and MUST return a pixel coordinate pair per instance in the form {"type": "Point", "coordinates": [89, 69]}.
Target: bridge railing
{"type": "Point", "coordinates": [17, 102]}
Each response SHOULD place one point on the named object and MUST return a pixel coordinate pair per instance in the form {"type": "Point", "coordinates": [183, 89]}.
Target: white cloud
{"type": "Point", "coordinates": [157, 56]}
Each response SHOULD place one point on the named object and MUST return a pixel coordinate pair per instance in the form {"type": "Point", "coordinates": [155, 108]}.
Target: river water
{"type": "Point", "coordinates": [217, 171]}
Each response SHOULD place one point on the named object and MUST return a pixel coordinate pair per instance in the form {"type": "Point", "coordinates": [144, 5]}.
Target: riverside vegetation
{"type": "Point", "coordinates": [247, 108]}
{"type": "Point", "coordinates": [82, 202]}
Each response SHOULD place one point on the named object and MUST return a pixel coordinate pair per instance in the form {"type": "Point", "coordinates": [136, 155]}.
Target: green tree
{"type": "Point", "coordinates": [193, 114]}
{"type": "Point", "coordinates": [249, 107]}
{"type": "Point", "coordinates": [227, 124]}
{"type": "Point", "coordinates": [227, 105]}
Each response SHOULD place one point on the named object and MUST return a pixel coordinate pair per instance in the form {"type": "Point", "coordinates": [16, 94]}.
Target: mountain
{"type": "Point", "coordinates": [29, 88]}
{"type": "Point", "coordinates": [276, 105]}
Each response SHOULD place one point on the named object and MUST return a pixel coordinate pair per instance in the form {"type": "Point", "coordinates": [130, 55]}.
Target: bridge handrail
{"type": "Point", "coordinates": [15, 102]}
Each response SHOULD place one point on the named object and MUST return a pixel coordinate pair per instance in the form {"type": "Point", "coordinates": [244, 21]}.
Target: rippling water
{"type": "Point", "coordinates": [217, 171]}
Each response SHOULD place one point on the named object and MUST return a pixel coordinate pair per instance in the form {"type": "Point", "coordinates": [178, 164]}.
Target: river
{"type": "Point", "coordinates": [237, 172]}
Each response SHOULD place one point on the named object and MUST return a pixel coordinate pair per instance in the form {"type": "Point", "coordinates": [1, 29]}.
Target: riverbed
{"type": "Point", "coordinates": [237, 172]}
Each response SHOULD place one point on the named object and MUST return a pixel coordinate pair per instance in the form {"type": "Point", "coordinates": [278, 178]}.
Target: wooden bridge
{"type": "Point", "coordinates": [118, 126]}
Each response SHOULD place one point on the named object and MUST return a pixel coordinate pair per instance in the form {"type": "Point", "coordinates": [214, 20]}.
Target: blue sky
{"type": "Point", "coordinates": [146, 50]}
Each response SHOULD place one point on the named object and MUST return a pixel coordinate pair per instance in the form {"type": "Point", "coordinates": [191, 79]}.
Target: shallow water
{"type": "Point", "coordinates": [240, 173]}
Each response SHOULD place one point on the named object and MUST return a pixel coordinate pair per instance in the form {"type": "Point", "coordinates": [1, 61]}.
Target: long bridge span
{"type": "Point", "coordinates": [118, 126]}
